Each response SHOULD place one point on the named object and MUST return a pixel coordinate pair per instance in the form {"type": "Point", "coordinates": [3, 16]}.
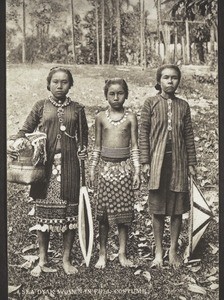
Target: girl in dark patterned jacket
{"type": "Point", "coordinates": [167, 152]}
{"type": "Point", "coordinates": [56, 198]}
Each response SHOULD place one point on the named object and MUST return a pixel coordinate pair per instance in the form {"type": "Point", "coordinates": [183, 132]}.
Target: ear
{"type": "Point", "coordinates": [158, 86]}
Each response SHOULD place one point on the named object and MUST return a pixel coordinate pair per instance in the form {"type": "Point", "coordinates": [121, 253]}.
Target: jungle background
{"type": "Point", "coordinates": [97, 40]}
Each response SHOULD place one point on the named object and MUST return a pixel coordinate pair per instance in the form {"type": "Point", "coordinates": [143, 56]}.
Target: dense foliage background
{"type": "Point", "coordinates": [112, 31]}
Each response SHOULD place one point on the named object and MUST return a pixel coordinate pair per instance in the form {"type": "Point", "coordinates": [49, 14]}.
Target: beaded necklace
{"type": "Point", "coordinates": [61, 112]}
{"type": "Point", "coordinates": [116, 122]}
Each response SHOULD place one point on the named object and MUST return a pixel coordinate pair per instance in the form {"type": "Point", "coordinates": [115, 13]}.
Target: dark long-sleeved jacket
{"type": "Point", "coordinates": [43, 117]}
{"type": "Point", "coordinates": [153, 137]}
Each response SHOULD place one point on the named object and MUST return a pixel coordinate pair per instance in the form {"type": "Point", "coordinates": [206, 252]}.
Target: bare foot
{"type": "Point", "coordinates": [38, 269]}
{"type": "Point", "coordinates": [124, 261]}
{"type": "Point", "coordinates": [158, 261]}
{"type": "Point", "coordinates": [101, 263]}
{"type": "Point", "coordinates": [69, 268]}
{"type": "Point", "coordinates": [174, 259]}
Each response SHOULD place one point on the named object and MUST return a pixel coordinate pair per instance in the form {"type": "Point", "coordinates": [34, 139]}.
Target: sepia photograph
{"type": "Point", "coordinates": [112, 141]}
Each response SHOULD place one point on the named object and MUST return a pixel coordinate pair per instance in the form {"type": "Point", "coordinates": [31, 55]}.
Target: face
{"type": "Point", "coordinates": [59, 85]}
{"type": "Point", "coordinates": [116, 95]}
{"type": "Point", "coordinates": [169, 80]}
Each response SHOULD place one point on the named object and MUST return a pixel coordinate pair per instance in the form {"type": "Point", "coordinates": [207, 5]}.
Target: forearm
{"type": "Point", "coordinates": [135, 158]}
{"type": "Point", "coordinates": [94, 160]}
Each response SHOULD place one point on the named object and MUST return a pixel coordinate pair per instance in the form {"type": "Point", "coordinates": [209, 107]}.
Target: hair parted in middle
{"type": "Point", "coordinates": [120, 81]}
{"type": "Point", "coordinates": [159, 73]}
{"type": "Point", "coordinates": [57, 69]}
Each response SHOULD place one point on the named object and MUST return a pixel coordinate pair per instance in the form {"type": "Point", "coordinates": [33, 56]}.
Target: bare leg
{"type": "Point", "coordinates": [175, 228]}
{"type": "Point", "coordinates": [43, 241]}
{"type": "Point", "coordinates": [123, 236]}
{"type": "Point", "coordinates": [68, 239]}
{"type": "Point", "coordinates": [158, 229]}
{"type": "Point", "coordinates": [103, 235]}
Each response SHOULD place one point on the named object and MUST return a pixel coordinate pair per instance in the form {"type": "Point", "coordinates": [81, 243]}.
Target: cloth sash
{"type": "Point", "coordinates": [115, 152]}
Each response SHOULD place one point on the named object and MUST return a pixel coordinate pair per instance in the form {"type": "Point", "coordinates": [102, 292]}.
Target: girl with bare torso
{"type": "Point", "coordinates": [116, 146]}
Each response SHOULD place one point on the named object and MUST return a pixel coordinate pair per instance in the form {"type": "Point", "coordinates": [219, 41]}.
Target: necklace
{"type": "Point", "coordinates": [59, 104]}
{"type": "Point", "coordinates": [60, 110]}
{"type": "Point", "coordinates": [116, 122]}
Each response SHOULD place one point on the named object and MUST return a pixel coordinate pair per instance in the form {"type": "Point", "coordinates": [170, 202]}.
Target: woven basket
{"type": "Point", "coordinates": [25, 173]}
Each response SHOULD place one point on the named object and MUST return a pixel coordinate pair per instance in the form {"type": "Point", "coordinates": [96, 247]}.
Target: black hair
{"type": "Point", "coordinates": [120, 81]}
{"type": "Point", "coordinates": [159, 74]}
{"type": "Point", "coordinates": [56, 69]}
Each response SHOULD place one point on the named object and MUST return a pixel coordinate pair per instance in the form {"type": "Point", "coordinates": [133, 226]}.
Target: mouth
{"type": "Point", "coordinates": [170, 88]}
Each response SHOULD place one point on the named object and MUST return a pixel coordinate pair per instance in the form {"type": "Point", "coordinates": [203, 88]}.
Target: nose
{"type": "Point", "coordinates": [59, 85]}
{"type": "Point", "coordinates": [115, 96]}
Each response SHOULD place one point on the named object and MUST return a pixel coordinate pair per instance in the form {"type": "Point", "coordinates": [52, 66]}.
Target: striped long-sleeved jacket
{"type": "Point", "coordinates": [153, 137]}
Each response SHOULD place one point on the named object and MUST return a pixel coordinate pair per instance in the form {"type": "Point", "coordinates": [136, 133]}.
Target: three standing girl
{"type": "Point", "coordinates": [167, 153]}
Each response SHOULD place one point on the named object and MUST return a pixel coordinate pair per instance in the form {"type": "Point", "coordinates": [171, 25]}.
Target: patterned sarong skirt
{"type": "Point", "coordinates": [53, 213]}
{"type": "Point", "coordinates": [115, 196]}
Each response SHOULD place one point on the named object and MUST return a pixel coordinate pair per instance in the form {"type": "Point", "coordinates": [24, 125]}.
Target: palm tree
{"type": "Point", "coordinates": [118, 23]}
{"type": "Point", "coordinates": [103, 30]}
{"type": "Point", "coordinates": [24, 33]}
{"type": "Point", "coordinates": [142, 32]}
{"type": "Point", "coordinates": [97, 33]}
{"type": "Point", "coordinates": [164, 29]}
{"type": "Point", "coordinates": [158, 9]}
{"type": "Point", "coordinates": [110, 8]}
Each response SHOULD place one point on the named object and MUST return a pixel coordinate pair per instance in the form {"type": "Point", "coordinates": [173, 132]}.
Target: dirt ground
{"type": "Point", "coordinates": [198, 280]}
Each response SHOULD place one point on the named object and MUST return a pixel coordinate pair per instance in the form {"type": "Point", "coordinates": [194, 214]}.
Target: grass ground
{"type": "Point", "coordinates": [25, 85]}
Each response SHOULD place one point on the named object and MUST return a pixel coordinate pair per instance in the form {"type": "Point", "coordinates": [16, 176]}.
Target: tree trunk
{"type": "Point", "coordinates": [183, 50]}
{"type": "Point", "coordinates": [111, 42]}
{"type": "Point", "coordinates": [215, 30]}
{"type": "Point", "coordinates": [158, 24]}
{"type": "Point", "coordinates": [141, 34]}
{"type": "Point", "coordinates": [118, 32]}
{"type": "Point", "coordinates": [73, 33]}
{"type": "Point", "coordinates": [187, 41]}
{"type": "Point", "coordinates": [175, 44]}
{"type": "Point", "coordinates": [200, 50]}
{"type": "Point", "coordinates": [24, 34]}
{"type": "Point", "coordinates": [166, 37]}
{"type": "Point", "coordinates": [97, 35]}
{"type": "Point", "coordinates": [103, 33]}
{"type": "Point", "coordinates": [212, 39]}
{"type": "Point", "coordinates": [144, 45]}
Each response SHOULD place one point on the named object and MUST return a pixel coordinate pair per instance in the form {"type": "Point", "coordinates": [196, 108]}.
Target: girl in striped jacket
{"type": "Point", "coordinates": [167, 152]}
